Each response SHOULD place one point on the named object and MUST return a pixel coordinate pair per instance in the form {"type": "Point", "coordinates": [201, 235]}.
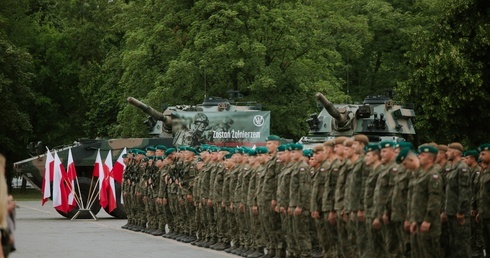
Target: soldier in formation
{"type": "Point", "coordinates": [343, 198]}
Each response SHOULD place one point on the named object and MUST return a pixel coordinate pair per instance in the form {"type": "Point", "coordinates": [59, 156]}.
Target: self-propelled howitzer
{"type": "Point", "coordinates": [378, 117]}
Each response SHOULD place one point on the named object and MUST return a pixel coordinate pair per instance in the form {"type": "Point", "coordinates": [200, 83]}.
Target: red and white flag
{"type": "Point", "coordinates": [48, 177]}
{"type": "Point", "coordinates": [71, 174]}
{"type": "Point", "coordinates": [109, 183]}
{"type": "Point", "coordinates": [99, 172]}
{"type": "Point", "coordinates": [60, 197]}
{"type": "Point", "coordinates": [118, 169]}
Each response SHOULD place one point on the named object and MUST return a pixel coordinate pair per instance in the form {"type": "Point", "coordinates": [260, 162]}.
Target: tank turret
{"type": "Point", "coordinates": [157, 122]}
{"type": "Point", "coordinates": [378, 117]}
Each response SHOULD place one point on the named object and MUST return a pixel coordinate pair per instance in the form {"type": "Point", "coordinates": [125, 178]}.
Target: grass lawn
{"type": "Point", "coordinates": [27, 195]}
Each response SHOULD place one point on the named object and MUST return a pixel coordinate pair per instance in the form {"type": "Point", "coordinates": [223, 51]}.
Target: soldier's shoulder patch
{"type": "Point", "coordinates": [464, 170]}
{"type": "Point", "coordinates": [322, 169]}
{"type": "Point", "coordinates": [192, 166]}
{"type": "Point", "coordinates": [435, 176]}
{"type": "Point", "coordinates": [394, 170]}
{"type": "Point", "coordinates": [447, 170]}
{"type": "Point", "coordinates": [302, 169]}
{"type": "Point", "coordinates": [336, 170]}
{"type": "Point", "coordinates": [477, 172]}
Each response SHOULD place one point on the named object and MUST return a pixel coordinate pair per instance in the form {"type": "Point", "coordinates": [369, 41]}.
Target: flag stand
{"type": "Point", "coordinates": [90, 202]}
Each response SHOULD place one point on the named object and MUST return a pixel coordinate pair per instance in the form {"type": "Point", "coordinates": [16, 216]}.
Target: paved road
{"type": "Point", "coordinates": [41, 232]}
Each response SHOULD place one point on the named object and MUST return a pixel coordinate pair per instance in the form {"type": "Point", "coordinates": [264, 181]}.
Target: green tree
{"type": "Point", "coordinates": [450, 82]}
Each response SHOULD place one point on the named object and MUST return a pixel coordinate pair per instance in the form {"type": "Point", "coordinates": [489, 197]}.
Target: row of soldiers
{"type": "Point", "coordinates": [343, 198]}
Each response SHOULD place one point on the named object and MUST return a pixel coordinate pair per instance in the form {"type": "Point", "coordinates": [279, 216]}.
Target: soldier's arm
{"type": "Point", "coordinates": [304, 189]}
{"type": "Point", "coordinates": [465, 193]}
{"type": "Point", "coordinates": [435, 197]}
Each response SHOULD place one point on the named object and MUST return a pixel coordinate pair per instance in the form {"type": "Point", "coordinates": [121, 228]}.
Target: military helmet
{"type": "Point", "coordinates": [201, 118]}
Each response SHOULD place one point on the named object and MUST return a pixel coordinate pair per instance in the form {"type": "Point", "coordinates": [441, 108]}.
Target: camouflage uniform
{"type": "Point", "coordinates": [299, 197]}
{"type": "Point", "coordinates": [424, 205]}
{"type": "Point", "coordinates": [282, 195]}
{"type": "Point", "coordinates": [399, 208]}
{"type": "Point", "coordinates": [126, 188]}
{"type": "Point", "coordinates": [458, 198]}
{"type": "Point", "coordinates": [444, 171]}
{"type": "Point", "coordinates": [344, 244]}
{"type": "Point", "coordinates": [140, 193]}
{"type": "Point", "coordinates": [233, 222]}
{"type": "Point", "coordinates": [255, 232]}
{"type": "Point", "coordinates": [382, 201]}
{"type": "Point", "coordinates": [188, 179]}
{"type": "Point", "coordinates": [317, 190]}
{"type": "Point", "coordinates": [376, 247]}
{"type": "Point", "coordinates": [477, 244]}
{"type": "Point", "coordinates": [328, 205]}
{"type": "Point", "coordinates": [269, 219]}
{"type": "Point", "coordinates": [358, 177]}
{"type": "Point", "coordinates": [217, 194]}
{"type": "Point", "coordinates": [484, 206]}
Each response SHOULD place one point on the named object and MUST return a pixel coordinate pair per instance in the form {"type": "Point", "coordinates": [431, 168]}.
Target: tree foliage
{"type": "Point", "coordinates": [67, 67]}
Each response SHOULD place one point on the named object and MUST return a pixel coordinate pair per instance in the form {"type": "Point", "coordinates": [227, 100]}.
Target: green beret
{"type": "Point", "coordinates": [125, 156]}
{"type": "Point", "coordinates": [192, 150]}
{"type": "Point", "coordinates": [295, 146]}
{"type": "Point", "coordinates": [227, 156]}
{"type": "Point", "coordinates": [402, 155]}
{"type": "Point", "coordinates": [473, 153]}
{"type": "Point", "coordinates": [273, 138]}
{"type": "Point", "coordinates": [239, 150]}
{"type": "Point", "coordinates": [484, 147]}
{"type": "Point", "coordinates": [400, 145]}
{"type": "Point", "coordinates": [386, 144]}
{"type": "Point", "coordinates": [169, 151]}
{"type": "Point", "coordinates": [203, 147]}
{"type": "Point", "coordinates": [181, 148]}
{"type": "Point", "coordinates": [371, 147]}
{"type": "Point", "coordinates": [161, 147]}
{"type": "Point", "coordinates": [213, 149]}
{"type": "Point", "coordinates": [262, 150]}
{"type": "Point", "coordinates": [231, 151]}
{"type": "Point", "coordinates": [251, 152]}
{"type": "Point", "coordinates": [200, 159]}
{"type": "Point", "coordinates": [428, 148]}
{"type": "Point", "coordinates": [283, 147]}
{"type": "Point", "coordinates": [150, 148]}
{"type": "Point", "coordinates": [308, 153]}
{"type": "Point", "coordinates": [223, 148]}
{"type": "Point", "coordinates": [159, 158]}
{"type": "Point", "coordinates": [137, 151]}
{"type": "Point", "coordinates": [131, 151]}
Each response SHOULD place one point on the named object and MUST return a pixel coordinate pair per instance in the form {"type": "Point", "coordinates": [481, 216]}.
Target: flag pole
{"type": "Point", "coordinates": [74, 194]}
{"type": "Point", "coordinates": [90, 189]}
{"type": "Point", "coordinates": [91, 200]}
{"type": "Point", "coordinates": [79, 192]}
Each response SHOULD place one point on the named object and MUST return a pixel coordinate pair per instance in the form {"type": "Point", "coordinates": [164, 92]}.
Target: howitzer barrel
{"type": "Point", "coordinates": [147, 109]}
{"type": "Point", "coordinates": [329, 107]}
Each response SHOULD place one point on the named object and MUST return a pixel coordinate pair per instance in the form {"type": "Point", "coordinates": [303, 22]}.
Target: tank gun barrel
{"type": "Point", "coordinates": [147, 109]}
{"type": "Point", "coordinates": [329, 107]}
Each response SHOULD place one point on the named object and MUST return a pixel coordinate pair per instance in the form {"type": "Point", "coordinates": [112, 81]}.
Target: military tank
{"type": "Point", "coordinates": [378, 117]}
{"type": "Point", "coordinates": [216, 121]}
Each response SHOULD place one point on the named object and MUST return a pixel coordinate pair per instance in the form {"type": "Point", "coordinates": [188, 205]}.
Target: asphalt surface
{"type": "Point", "coordinates": [42, 232]}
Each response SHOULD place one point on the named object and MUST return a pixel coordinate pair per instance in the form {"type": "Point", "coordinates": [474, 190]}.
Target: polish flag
{"type": "Point", "coordinates": [60, 197]}
{"type": "Point", "coordinates": [109, 183]}
{"type": "Point", "coordinates": [118, 170]}
{"type": "Point", "coordinates": [48, 176]}
{"type": "Point", "coordinates": [71, 174]}
{"type": "Point", "coordinates": [99, 172]}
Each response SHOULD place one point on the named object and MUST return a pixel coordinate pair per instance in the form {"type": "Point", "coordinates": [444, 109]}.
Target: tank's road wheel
{"type": "Point", "coordinates": [84, 189]}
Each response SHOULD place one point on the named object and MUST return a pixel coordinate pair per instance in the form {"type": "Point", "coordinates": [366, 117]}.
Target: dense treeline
{"type": "Point", "coordinates": [66, 67]}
